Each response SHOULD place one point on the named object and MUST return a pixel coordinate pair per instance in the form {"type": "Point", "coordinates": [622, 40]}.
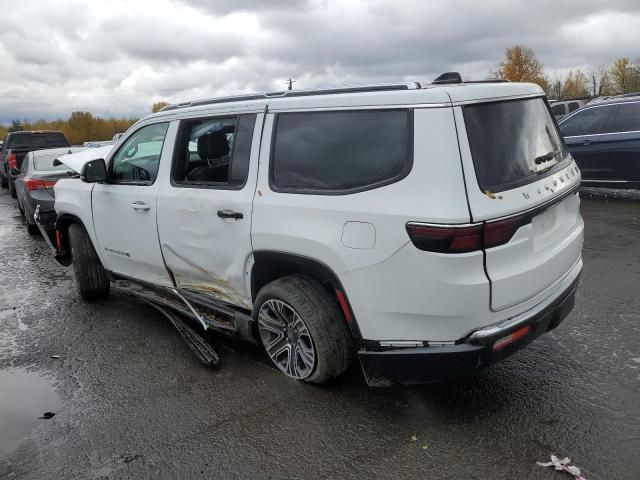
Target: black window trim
{"type": "Point", "coordinates": [112, 156]}
{"type": "Point", "coordinates": [529, 179]}
{"type": "Point", "coordinates": [343, 191]}
{"type": "Point", "coordinates": [210, 185]}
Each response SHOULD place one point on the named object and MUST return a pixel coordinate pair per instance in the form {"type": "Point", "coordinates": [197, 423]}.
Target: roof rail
{"type": "Point", "coordinates": [382, 87]}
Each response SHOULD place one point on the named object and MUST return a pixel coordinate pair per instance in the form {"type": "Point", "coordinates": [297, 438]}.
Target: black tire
{"type": "Point", "coordinates": [323, 318]}
{"type": "Point", "coordinates": [32, 229]}
{"type": "Point", "coordinates": [12, 188]}
{"type": "Point", "coordinates": [3, 181]}
{"type": "Point", "coordinates": [91, 278]}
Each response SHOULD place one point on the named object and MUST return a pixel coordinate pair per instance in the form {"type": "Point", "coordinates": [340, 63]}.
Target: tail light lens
{"type": "Point", "coordinates": [500, 232]}
{"type": "Point", "coordinates": [12, 161]}
{"type": "Point", "coordinates": [449, 239]}
{"type": "Point", "coordinates": [468, 238]}
{"type": "Point", "coordinates": [37, 184]}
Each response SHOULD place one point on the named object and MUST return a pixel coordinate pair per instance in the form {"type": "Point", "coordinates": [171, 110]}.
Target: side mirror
{"type": "Point", "coordinates": [94, 171]}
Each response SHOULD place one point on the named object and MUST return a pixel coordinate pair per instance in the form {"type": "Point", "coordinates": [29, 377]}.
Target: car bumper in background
{"type": "Point", "coordinates": [384, 366]}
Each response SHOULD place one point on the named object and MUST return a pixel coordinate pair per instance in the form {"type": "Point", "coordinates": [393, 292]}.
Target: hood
{"type": "Point", "coordinates": [76, 161]}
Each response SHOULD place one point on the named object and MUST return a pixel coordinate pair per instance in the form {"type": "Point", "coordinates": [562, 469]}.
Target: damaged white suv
{"type": "Point", "coordinates": [432, 229]}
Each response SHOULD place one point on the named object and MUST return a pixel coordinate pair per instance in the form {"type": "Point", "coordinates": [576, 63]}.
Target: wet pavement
{"type": "Point", "coordinates": [131, 400]}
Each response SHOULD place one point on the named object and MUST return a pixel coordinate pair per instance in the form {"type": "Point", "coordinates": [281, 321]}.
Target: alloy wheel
{"type": "Point", "coordinates": [286, 339]}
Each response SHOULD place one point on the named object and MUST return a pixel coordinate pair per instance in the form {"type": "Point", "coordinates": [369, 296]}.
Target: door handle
{"type": "Point", "coordinates": [586, 142]}
{"type": "Point", "coordinates": [230, 214]}
{"type": "Point", "coordinates": [140, 206]}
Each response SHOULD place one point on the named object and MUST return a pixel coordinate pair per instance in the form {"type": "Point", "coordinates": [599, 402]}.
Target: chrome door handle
{"type": "Point", "coordinates": [230, 214]}
{"type": "Point", "coordinates": [140, 206]}
{"type": "Point", "coordinates": [586, 142]}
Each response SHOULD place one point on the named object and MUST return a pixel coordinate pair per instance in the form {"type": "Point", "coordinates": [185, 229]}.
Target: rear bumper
{"type": "Point", "coordinates": [386, 366]}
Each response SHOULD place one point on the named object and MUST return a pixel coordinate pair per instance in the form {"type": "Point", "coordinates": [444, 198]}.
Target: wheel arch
{"type": "Point", "coordinates": [270, 265]}
{"type": "Point", "coordinates": [63, 222]}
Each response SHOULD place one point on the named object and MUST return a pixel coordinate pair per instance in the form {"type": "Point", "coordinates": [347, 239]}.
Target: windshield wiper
{"type": "Point", "coordinates": [546, 157]}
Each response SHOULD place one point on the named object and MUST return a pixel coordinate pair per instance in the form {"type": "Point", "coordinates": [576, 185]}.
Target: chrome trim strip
{"type": "Point", "coordinates": [584, 180]}
{"type": "Point", "coordinates": [401, 343]}
{"type": "Point", "coordinates": [603, 133]}
{"type": "Point", "coordinates": [492, 330]}
{"type": "Point", "coordinates": [541, 206]}
{"type": "Point", "coordinates": [444, 225]}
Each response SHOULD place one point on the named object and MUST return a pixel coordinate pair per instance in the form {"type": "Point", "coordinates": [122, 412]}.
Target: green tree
{"type": "Point", "coordinates": [16, 126]}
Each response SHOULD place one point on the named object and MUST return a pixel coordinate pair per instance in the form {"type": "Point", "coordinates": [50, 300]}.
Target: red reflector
{"type": "Point", "coordinates": [518, 334]}
{"type": "Point", "coordinates": [12, 161]}
{"type": "Point", "coordinates": [37, 184]}
{"type": "Point", "coordinates": [500, 232]}
{"type": "Point", "coordinates": [58, 239]}
{"type": "Point", "coordinates": [345, 307]}
{"type": "Point", "coordinates": [448, 239]}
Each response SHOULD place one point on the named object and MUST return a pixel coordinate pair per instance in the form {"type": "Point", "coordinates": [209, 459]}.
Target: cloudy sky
{"type": "Point", "coordinates": [114, 57]}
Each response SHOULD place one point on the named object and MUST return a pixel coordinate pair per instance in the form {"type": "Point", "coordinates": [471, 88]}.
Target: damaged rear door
{"type": "Point", "coordinates": [204, 212]}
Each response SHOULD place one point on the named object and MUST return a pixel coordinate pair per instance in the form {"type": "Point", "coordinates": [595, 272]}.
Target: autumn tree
{"type": "Point", "coordinates": [575, 85]}
{"type": "Point", "coordinates": [158, 106]}
{"type": "Point", "coordinates": [625, 76]}
{"type": "Point", "coordinates": [520, 64]}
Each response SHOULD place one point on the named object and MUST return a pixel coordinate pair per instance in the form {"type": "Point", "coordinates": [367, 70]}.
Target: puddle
{"type": "Point", "coordinates": [24, 396]}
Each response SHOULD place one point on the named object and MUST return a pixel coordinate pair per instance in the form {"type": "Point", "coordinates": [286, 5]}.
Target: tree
{"type": "Point", "coordinates": [16, 126]}
{"type": "Point", "coordinates": [575, 85]}
{"type": "Point", "coordinates": [601, 80]}
{"type": "Point", "coordinates": [520, 64]}
{"type": "Point", "coordinates": [158, 106]}
{"type": "Point", "coordinates": [625, 76]}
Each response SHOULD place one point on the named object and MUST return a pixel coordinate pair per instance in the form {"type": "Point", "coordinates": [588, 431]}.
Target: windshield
{"type": "Point", "coordinates": [512, 143]}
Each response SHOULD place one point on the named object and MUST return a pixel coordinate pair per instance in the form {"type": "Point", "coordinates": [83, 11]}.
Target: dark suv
{"type": "Point", "coordinates": [17, 145]}
{"type": "Point", "coordinates": [604, 139]}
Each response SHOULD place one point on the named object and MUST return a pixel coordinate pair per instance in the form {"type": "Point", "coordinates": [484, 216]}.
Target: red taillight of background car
{"type": "Point", "coordinates": [446, 239]}
{"type": "Point", "coordinates": [37, 184]}
{"type": "Point", "coordinates": [12, 161]}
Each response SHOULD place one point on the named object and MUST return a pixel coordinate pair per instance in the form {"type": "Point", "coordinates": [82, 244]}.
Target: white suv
{"type": "Point", "coordinates": [434, 230]}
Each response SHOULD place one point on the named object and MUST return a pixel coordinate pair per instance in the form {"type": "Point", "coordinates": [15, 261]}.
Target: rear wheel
{"type": "Point", "coordinates": [302, 329]}
{"type": "Point", "coordinates": [3, 181]}
{"type": "Point", "coordinates": [91, 278]}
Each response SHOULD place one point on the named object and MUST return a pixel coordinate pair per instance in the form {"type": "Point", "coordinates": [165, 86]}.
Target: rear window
{"type": "Point", "coordinates": [45, 162]}
{"type": "Point", "coordinates": [340, 152]}
{"type": "Point", "coordinates": [513, 143]}
{"type": "Point", "coordinates": [38, 140]}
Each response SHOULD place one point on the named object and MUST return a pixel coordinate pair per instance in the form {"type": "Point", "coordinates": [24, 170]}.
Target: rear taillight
{"type": "Point", "coordinates": [37, 184]}
{"type": "Point", "coordinates": [501, 231]}
{"type": "Point", "coordinates": [467, 238]}
{"type": "Point", "coordinates": [12, 161]}
{"type": "Point", "coordinates": [449, 239]}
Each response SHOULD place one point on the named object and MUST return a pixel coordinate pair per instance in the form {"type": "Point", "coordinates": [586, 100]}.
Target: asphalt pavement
{"type": "Point", "coordinates": [130, 400]}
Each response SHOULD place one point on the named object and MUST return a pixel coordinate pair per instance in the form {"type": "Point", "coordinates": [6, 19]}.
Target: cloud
{"type": "Point", "coordinates": [117, 57]}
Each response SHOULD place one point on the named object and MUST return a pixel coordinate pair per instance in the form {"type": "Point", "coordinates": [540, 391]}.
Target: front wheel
{"type": "Point", "coordinates": [91, 278]}
{"type": "Point", "coordinates": [302, 329]}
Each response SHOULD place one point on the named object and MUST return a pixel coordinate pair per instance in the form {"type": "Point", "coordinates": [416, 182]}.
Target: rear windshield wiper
{"type": "Point", "coordinates": [546, 157]}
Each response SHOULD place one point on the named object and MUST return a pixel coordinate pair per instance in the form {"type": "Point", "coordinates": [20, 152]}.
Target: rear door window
{"type": "Point", "coordinates": [573, 106]}
{"type": "Point", "coordinates": [590, 121]}
{"type": "Point", "coordinates": [626, 119]}
{"type": "Point", "coordinates": [340, 151]}
{"type": "Point", "coordinates": [512, 143]}
{"type": "Point", "coordinates": [557, 109]}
